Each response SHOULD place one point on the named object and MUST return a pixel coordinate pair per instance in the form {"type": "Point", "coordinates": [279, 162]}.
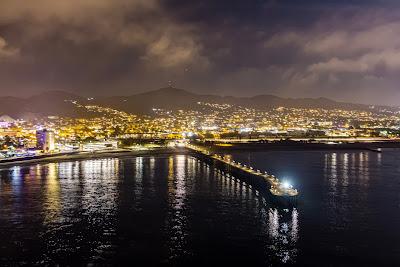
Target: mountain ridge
{"type": "Point", "coordinates": [60, 103]}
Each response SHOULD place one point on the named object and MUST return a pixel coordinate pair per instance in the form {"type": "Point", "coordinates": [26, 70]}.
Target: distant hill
{"type": "Point", "coordinates": [58, 103]}
{"type": "Point", "coordinates": [173, 98]}
{"type": "Point", "coordinates": [50, 103]}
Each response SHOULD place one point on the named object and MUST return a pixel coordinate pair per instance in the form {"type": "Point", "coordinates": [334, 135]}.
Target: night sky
{"type": "Point", "coordinates": [345, 50]}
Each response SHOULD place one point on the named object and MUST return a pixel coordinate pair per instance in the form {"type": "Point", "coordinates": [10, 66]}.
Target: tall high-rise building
{"type": "Point", "coordinates": [45, 140]}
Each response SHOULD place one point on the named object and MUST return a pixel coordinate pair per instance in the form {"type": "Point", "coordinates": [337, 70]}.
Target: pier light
{"type": "Point", "coordinates": [286, 185]}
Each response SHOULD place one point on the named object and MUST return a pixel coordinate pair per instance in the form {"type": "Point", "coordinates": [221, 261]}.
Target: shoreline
{"type": "Point", "coordinates": [89, 155]}
{"type": "Point", "coordinates": [302, 146]}
{"type": "Point", "coordinates": [377, 147]}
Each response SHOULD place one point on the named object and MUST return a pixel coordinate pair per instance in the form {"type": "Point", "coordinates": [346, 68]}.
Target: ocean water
{"type": "Point", "coordinates": [177, 211]}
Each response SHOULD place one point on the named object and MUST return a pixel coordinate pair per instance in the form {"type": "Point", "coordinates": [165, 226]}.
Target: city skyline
{"type": "Point", "coordinates": [344, 50]}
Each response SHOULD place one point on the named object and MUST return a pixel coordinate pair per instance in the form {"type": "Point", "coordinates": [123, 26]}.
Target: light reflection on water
{"type": "Point", "coordinates": [283, 231]}
{"type": "Point", "coordinates": [354, 170]}
{"type": "Point", "coordinates": [174, 209]}
{"type": "Point", "coordinates": [176, 219]}
{"type": "Point", "coordinates": [346, 213]}
{"type": "Point", "coordinates": [52, 205]}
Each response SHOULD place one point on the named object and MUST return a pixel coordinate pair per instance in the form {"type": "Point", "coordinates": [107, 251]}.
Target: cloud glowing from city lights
{"type": "Point", "coordinates": [346, 50]}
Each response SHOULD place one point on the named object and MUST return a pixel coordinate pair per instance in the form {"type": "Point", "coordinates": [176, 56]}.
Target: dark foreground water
{"type": "Point", "coordinates": [174, 210]}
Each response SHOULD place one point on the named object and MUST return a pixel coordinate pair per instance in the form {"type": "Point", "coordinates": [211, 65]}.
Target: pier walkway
{"type": "Point", "coordinates": [277, 188]}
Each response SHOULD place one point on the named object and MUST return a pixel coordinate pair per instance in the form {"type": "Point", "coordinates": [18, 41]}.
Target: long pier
{"type": "Point", "coordinates": [267, 183]}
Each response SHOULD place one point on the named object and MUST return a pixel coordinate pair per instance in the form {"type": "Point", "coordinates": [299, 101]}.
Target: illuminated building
{"type": "Point", "coordinates": [100, 146]}
{"type": "Point", "coordinates": [45, 140]}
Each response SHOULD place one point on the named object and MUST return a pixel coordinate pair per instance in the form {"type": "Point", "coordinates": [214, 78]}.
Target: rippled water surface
{"type": "Point", "coordinates": [175, 210]}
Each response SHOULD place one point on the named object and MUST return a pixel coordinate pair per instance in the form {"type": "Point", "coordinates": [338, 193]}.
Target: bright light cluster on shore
{"type": "Point", "coordinates": [204, 121]}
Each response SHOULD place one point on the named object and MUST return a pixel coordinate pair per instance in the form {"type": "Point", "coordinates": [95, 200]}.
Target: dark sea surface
{"type": "Point", "coordinates": [177, 211]}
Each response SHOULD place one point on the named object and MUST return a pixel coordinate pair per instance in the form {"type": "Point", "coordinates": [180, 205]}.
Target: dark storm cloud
{"type": "Point", "coordinates": [348, 50]}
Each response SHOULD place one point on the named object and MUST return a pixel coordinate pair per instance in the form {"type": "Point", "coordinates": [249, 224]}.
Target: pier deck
{"type": "Point", "coordinates": [264, 181]}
